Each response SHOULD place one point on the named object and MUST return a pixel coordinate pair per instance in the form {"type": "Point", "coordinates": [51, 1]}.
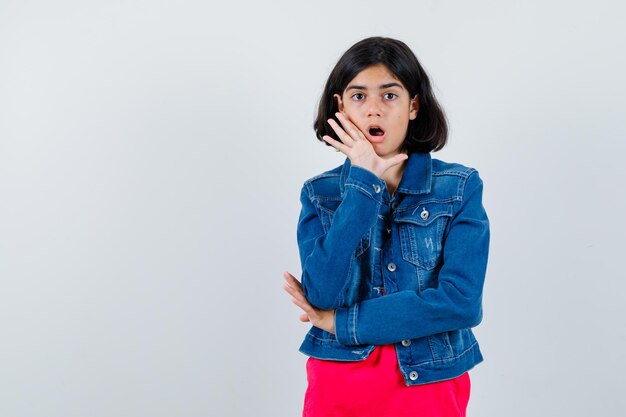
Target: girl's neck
{"type": "Point", "coordinates": [393, 176]}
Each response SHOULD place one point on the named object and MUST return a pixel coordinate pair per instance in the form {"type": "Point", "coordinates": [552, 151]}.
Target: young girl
{"type": "Point", "coordinates": [393, 245]}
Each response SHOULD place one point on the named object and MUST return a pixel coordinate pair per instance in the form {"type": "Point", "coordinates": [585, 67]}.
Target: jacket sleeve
{"type": "Point", "coordinates": [456, 303]}
{"type": "Point", "coordinates": [326, 256]}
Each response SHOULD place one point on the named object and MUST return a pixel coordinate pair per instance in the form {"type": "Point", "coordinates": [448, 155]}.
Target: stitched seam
{"type": "Point", "coordinates": [446, 359]}
{"type": "Point", "coordinates": [325, 198]}
{"type": "Point", "coordinates": [327, 211]}
{"type": "Point", "coordinates": [423, 223]}
{"type": "Point", "coordinates": [322, 176]}
{"type": "Point", "coordinates": [309, 191]}
{"type": "Point", "coordinates": [319, 338]}
{"type": "Point", "coordinates": [450, 172]}
{"type": "Point", "coordinates": [368, 350]}
{"type": "Point", "coordinates": [358, 187]}
{"type": "Point", "coordinates": [430, 201]}
{"type": "Point", "coordinates": [463, 186]}
{"type": "Point", "coordinates": [356, 309]}
{"type": "Point", "coordinates": [342, 293]}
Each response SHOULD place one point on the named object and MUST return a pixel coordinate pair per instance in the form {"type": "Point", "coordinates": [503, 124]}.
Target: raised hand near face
{"type": "Point", "coordinates": [355, 146]}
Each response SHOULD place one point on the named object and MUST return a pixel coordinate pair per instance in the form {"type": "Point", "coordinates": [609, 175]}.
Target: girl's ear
{"type": "Point", "coordinates": [339, 102]}
{"type": "Point", "coordinates": [414, 107]}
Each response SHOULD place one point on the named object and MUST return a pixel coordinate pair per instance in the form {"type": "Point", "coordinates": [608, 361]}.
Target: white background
{"type": "Point", "coordinates": [151, 158]}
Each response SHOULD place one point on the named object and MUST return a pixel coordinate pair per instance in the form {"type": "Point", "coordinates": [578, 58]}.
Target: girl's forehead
{"type": "Point", "coordinates": [375, 75]}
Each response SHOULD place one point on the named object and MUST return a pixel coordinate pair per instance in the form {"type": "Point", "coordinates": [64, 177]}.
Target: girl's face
{"type": "Point", "coordinates": [380, 106]}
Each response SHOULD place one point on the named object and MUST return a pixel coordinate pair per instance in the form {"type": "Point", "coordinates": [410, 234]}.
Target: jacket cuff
{"type": "Point", "coordinates": [345, 325]}
{"type": "Point", "coordinates": [365, 181]}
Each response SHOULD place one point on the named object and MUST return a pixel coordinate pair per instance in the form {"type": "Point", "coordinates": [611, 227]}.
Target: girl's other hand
{"type": "Point", "coordinates": [355, 146]}
{"type": "Point", "coordinates": [324, 319]}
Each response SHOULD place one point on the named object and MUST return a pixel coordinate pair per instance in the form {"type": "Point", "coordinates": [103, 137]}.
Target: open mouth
{"type": "Point", "coordinates": [376, 131]}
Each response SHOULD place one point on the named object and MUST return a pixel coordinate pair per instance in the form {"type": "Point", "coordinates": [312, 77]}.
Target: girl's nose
{"type": "Point", "coordinates": [374, 108]}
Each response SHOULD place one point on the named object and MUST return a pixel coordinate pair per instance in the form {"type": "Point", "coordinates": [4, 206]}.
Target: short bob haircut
{"type": "Point", "coordinates": [428, 132]}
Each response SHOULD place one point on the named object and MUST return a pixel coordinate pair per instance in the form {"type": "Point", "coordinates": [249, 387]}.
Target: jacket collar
{"type": "Point", "coordinates": [416, 178]}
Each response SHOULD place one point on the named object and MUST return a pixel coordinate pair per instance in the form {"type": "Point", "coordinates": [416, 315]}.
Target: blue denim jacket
{"type": "Point", "coordinates": [406, 269]}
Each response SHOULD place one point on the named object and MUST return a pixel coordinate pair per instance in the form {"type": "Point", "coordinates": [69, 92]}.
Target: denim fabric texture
{"type": "Point", "coordinates": [407, 269]}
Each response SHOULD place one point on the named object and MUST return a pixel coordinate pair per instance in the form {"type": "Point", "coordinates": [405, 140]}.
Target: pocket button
{"type": "Point", "coordinates": [424, 214]}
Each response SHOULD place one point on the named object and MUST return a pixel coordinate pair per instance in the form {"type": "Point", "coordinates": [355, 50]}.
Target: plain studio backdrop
{"type": "Point", "coordinates": [151, 159]}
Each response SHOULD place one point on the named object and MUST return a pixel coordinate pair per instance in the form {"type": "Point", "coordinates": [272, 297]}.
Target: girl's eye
{"type": "Point", "coordinates": [358, 96]}
{"type": "Point", "coordinates": [390, 96]}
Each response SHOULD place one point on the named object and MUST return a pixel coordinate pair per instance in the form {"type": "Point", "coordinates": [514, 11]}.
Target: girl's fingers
{"type": "Point", "coordinates": [345, 137]}
{"type": "Point", "coordinates": [350, 127]}
{"type": "Point", "coordinates": [336, 144]}
{"type": "Point", "coordinates": [291, 280]}
{"type": "Point", "coordinates": [304, 305]}
{"type": "Point", "coordinates": [294, 292]}
{"type": "Point", "coordinates": [299, 303]}
{"type": "Point", "coordinates": [294, 288]}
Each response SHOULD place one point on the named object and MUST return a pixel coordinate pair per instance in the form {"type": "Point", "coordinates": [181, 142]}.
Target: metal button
{"type": "Point", "coordinates": [394, 205]}
{"type": "Point", "coordinates": [424, 214]}
{"type": "Point", "coordinates": [376, 188]}
{"type": "Point", "coordinates": [406, 343]}
{"type": "Point", "coordinates": [391, 266]}
{"type": "Point", "coordinates": [413, 376]}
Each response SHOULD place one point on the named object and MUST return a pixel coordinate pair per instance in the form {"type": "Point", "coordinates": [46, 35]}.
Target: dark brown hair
{"type": "Point", "coordinates": [428, 132]}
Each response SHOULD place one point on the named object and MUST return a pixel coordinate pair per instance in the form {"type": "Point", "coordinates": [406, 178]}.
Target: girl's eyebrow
{"type": "Point", "coordinates": [382, 87]}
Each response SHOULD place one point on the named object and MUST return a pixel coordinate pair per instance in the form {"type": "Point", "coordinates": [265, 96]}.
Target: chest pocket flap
{"type": "Point", "coordinates": [421, 232]}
